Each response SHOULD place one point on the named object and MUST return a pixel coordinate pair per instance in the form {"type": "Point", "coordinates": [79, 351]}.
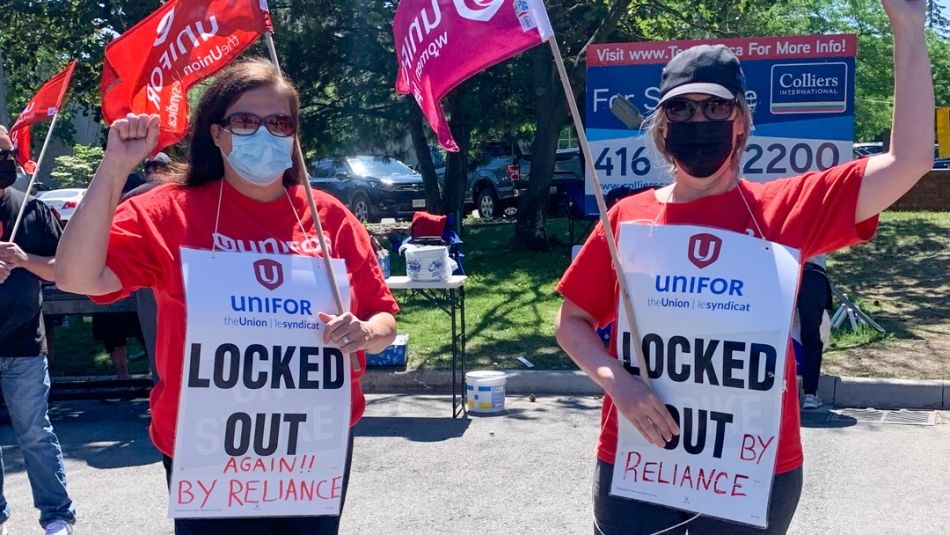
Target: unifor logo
{"type": "Point", "coordinates": [704, 249]}
{"type": "Point", "coordinates": [270, 273]}
{"type": "Point", "coordinates": [480, 10]}
{"type": "Point", "coordinates": [164, 27]}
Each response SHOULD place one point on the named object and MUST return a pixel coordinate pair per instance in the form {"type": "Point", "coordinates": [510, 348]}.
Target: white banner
{"type": "Point", "coordinates": [263, 419]}
{"type": "Point", "coordinates": [714, 309]}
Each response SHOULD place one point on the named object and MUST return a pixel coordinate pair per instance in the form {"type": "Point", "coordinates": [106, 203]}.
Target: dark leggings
{"type": "Point", "coordinates": [813, 299]}
{"type": "Point", "coordinates": [615, 516]}
{"type": "Point", "coordinates": [311, 525]}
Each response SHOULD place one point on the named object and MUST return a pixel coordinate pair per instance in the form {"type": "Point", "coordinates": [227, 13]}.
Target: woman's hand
{"type": "Point", "coordinates": [640, 406]}
{"type": "Point", "coordinates": [352, 334]}
{"type": "Point", "coordinates": [912, 13]}
{"type": "Point", "coordinates": [633, 399]}
{"type": "Point", "coordinates": [131, 140]}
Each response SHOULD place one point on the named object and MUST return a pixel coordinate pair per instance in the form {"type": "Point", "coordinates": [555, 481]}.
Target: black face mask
{"type": "Point", "coordinates": [700, 148]}
{"type": "Point", "coordinates": [7, 173]}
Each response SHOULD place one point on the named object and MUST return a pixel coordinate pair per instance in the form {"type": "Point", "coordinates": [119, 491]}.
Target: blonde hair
{"type": "Point", "coordinates": [655, 127]}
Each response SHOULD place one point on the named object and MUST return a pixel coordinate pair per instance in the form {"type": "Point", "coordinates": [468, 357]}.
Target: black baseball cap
{"type": "Point", "coordinates": [708, 69]}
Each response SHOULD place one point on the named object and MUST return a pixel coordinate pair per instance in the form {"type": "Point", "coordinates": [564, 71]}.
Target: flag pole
{"type": "Point", "coordinates": [602, 208]}
{"type": "Point", "coordinates": [301, 162]}
{"type": "Point", "coordinates": [29, 188]}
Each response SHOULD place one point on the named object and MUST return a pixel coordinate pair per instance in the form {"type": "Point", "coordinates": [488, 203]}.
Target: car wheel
{"type": "Point", "coordinates": [486, 202]}
{"type": "Point", "coordinates": [359, 205]}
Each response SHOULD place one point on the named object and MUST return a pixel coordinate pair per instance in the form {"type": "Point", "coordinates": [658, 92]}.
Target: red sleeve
{"type": "Point", "coordinates": [131, 253]}
{"type": "Point", "coordinates": [590, 281]}
{"type": "Point", "coordinates": [366, 277]}
{"type": "Point", "coordinates": [815, 212]}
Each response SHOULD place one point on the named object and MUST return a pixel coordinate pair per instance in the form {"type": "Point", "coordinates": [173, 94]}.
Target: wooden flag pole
{"type": "Point", "coordinates": [602, 208]}
{"type": "Point", "coordinates": [29, 188]}
{"type": "Point", "coordinates": [301, 162]}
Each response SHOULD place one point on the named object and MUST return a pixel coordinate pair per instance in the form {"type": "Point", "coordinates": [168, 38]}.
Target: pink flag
{"type": "Point", "coordinates": [442, 43]}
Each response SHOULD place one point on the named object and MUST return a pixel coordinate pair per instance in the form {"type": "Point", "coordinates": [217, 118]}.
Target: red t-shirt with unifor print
{"type": "Point", "coordinates": [813, 213]}
{"type": "Point", "coordinates": [147, 235]}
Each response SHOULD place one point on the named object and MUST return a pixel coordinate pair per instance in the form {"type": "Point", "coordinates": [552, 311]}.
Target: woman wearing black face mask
{"type": "Point", "coordinates": [701, 126]}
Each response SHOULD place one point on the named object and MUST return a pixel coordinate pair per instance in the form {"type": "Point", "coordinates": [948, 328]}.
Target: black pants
{"type": "Point", "coordinates": [814, 297]}
{"type": "Point", "coordinates": [309, 525]}
{"type": "Point", "coordinates": [620, 516]}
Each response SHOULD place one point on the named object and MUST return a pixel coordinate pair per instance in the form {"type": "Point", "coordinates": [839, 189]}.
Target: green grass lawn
{"type": "Point", "coordinates": [510, 304]}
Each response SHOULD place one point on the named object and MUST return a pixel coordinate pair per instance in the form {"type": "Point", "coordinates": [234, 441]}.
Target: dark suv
{"type": "Point", "coordinates": [373, 187]}
{"type": "Point", "coordinates": [498, 176]}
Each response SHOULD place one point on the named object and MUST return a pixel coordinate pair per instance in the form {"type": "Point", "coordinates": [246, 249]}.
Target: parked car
{"type": "Point", "coordinates": [498, 176]}
{"type": "Point", "coordinates": [863, 150]}
{"type": "Point", "coordinates": [373, 187]}
{"type": "Point", "coordinates": [23, 180]}
{"type": "Point", "coordinates": [940, 163]}
{"type": "Point", "coordinates": [63, 202]}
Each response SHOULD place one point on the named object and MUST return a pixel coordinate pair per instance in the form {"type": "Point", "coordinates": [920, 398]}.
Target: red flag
{"type": "Point", "coordinates": [45, 104]}
{"type": "Point", "coordinates": [151, 67]}
{"type": "Point", "coordinates": [442, 43]}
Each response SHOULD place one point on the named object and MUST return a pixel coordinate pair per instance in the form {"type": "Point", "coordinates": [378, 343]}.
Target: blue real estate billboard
{"type": "Point", "coordinates": [800, 89]}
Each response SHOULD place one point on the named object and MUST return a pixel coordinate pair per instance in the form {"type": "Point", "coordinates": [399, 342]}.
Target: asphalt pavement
{"type": "Point", "coordinates": [416, 470]}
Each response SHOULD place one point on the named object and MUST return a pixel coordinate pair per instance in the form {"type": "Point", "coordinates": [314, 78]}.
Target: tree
{"type": "Point", "coordinates": [75, 170]}
{"type": "Point", "coordinates": [577, 25]}
{"type": "Point", "coordinates": [39, 38]}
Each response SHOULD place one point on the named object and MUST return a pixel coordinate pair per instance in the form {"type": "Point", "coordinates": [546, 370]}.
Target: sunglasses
{"type": "Point", "coordinates": [7, 154]}
{"type": "Point", "coordinates": [681, 110]}
{"type": "Point", "coordinates": [246, 124]}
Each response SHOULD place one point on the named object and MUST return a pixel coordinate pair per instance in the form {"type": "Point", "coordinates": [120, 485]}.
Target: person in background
{"type": "Point", "coordinates": [25, 260]}
{"type": "Point", "coordinates": [814, 298]}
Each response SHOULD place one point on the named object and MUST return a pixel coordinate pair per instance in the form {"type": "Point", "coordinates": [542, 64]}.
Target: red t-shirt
{"type": "Point", "coordinates": [813, 213]}
{"type": "Point", "coordinates": [149, 230]}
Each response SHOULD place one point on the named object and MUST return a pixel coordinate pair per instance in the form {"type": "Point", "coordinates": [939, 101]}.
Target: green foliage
{"type": "Point", "coordinates": [76, 170]}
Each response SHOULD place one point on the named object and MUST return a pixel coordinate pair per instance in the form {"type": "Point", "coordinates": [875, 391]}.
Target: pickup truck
{"type": "Point", "coordinates": [497, 177]}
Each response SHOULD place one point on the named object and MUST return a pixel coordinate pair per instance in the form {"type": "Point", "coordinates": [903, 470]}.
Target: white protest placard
{"type": "Point", "coordinates": [714, 309]}
{"type": "Point", "coordinates": [264, 414]}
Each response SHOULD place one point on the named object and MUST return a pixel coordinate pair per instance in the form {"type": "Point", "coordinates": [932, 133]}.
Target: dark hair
{"type": "Point", "coordinates": [205, 163]}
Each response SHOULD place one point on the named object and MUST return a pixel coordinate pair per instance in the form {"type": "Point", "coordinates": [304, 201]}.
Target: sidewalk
{"type": "Point", "coordinates": [835, 391]}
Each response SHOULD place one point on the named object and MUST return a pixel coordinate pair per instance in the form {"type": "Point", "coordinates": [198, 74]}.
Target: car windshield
{"type": "Point", "coordinates": [378, 167]}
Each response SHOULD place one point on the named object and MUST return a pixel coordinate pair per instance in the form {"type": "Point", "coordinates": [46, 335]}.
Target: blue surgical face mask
{"type": "Point", "coordinates": [260, 158]}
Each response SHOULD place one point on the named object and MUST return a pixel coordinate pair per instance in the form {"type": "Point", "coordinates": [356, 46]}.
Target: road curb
{"type": "Point", "coordinates": [839, 391]}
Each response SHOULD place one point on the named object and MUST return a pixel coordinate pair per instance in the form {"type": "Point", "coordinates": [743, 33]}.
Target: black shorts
{"type": "Point", "coordinates": [614, 516]}
{"type": "Point", "coordinates": [115, 329]}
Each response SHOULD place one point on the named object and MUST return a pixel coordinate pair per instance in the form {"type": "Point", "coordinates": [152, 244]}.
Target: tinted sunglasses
{"type": "Point", "coordinates": [246, 124]}
{"type": "Point", "coordinates": [7, 154]}
{"type": "Point", "coordinates": [681, 110]}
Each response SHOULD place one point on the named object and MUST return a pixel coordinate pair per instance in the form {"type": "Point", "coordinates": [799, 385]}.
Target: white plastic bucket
{"type": "Point", "coordinates": [428, 262]}
{"type": "Point", "coordinates": [485, 391]}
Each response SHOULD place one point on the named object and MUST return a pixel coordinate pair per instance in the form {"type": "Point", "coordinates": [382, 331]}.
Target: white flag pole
{"type": "Point", "coordinates": [298, 155]}
{"type": "Point", "coordinates": [29, 188]}
{"type": "Point", "coordinates": [602, 208]}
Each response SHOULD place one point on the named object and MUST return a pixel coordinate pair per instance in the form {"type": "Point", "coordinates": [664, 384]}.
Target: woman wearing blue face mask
{"type": "Point", "coordinates": [240, 193]}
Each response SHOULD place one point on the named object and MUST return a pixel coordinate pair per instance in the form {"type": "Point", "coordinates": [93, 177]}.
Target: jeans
{"type": "Point", "coordinates": [25, 383]}
{"type": "Point", "coordinates": [616, 516]}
